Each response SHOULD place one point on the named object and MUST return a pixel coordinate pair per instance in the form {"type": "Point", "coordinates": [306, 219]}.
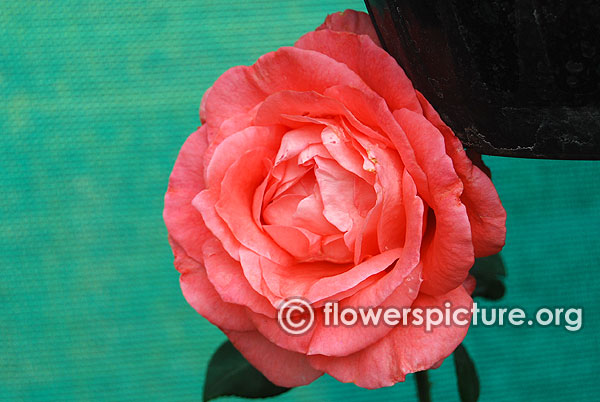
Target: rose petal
{"type": "Point", "coordinates": [233, 146]}
{"type": "Point", "coordinates": [280, 366]}
{"type": "Point", "coordinates": [236, 200]}
{"type": "Point", "coordinates": [352, 339]}
{"type": "Point", "coordinates": [318, 280]}
{"type": "Point", "coordinates": [202, 296]}
{"type": "Point", "coordinates": [345, 200]}
{"type": "Point", "coordinates": [184, 223]}
{"type": "Point", "coordinates": [486, 214]}
{"type": "Point", "coordinates": [351, 21]}
{"type": "Point", "coordinates": [295, 141]}
{"type": "Point", "coordinates": [205, 204]}
{"type": "Point", "coordinates": [228, 279]}
{"type": "Point", "coordinates": [447, 248]}
{"type": "Point", "coordinates": [235, 92]}
{"type": "Point", "coordinates": [342, 150]}
{"type": "Point", "coordinates": [281, 210]}
{"type": "Point", "coordinates": [404, 350]}
{"type": "Point", "coordinates": [295, 241]}
{"type": "Point", "coordinates": [410, 257]}
{"type": "Point", "coordinates": [309, 215]}
{"type": "Point", "coordinates": [373, 64]}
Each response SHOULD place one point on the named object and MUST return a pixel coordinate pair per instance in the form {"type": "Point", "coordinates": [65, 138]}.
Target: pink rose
{"type": "Point", "coordinates": [320, 172]}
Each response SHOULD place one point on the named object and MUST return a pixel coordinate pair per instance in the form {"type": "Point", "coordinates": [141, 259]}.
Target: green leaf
{"type": "Point", "coordinates": [489, 272]}
{"type": "Point", "coordinates": [466, 375]}
{"type": "Point", "coordinates": [492, 265]}
{"type": "Point", "coordinates": [230, 374]}
{"type": "Point", "coordinates": [491, 290]}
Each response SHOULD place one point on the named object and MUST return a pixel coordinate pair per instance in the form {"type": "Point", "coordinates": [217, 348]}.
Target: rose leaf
{"type": "Point", "coordinates": [489, 272]}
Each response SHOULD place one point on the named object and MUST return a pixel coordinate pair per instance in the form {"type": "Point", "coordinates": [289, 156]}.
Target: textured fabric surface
{"type": "Point", "coordinates": [97, 98]}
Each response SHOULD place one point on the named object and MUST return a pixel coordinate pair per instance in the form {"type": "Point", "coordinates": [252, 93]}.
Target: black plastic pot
{"type": "Point", "coordinates": [513, 78]}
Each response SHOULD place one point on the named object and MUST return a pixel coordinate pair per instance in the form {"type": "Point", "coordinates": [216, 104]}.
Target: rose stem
{"type": "Point", "coordinates": [423, 386]}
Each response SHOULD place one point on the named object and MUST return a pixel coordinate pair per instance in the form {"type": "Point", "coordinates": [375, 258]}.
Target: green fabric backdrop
{"type": "Point", "coordinates": [97, 97]}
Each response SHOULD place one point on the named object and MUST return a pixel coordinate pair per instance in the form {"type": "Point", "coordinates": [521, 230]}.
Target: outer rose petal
{"type": "Point", "coordinates": [201, 295]}
{"type": "Point", "coordinates": [352, 339]}
{"type": "Point", "coordinates": [341, 340]}
{"type": "Point", "coordinates": [205, 204]}
{"type": "Point", "coordinates": [184, 223]}
{"type": "Point", "coordinates": [241, 88]}
{"type": "Point", "coordinates": [280, 366]}
{"type": "Point", "coordinates": [405, 350]}
{"type": "Point", "coordinates": [469, 284]}
{"type": "Point", "coordinates": [234, 92]}
{"type": "Point", "coordinates": [351, 21]}
{"type": "Point", "coordinates": [486, 214]}
{"type": "Point", "coordinates": [448, 252]}
{"type": "Point", "coordinates": [373, 64]}
{"type": "Point", "coordinates": [229, 281]}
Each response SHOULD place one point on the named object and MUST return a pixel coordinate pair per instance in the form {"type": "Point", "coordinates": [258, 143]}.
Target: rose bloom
{"type": "Point", "coordinates": [320, 172]}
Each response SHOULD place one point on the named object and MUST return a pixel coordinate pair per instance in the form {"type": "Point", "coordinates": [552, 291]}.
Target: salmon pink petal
{"type": "Point", "coordinates": [369, 108]}
{"type": "Point", "coordinates": [327, 286]}
{"type": "Point", "coordinates": [205, 204]}
{"type": "Point", "coordinates": [228, 279]}
{"type": "Point", "coordinates": [309, 215]}
{"type": "Point", "coordinates": [278, 106]}
{"type": "Point", "coordinates": [342, 197]}
{"type": "Point", "coordinates": [230, 126]}
{"type": "Point", "coordinates": [294, 280]}
{"type": "Point", "coordinates": [202, 296]}
{"type": "Point", "coordinates": [307, 156]}
{"type": "Point", "coordinates": [351, 21]}
{"type": "Point", "coordinates": [409, 261]}
{"type": "Point", "coordinates": [469, 284]}
{"type": "Point", "coordinates": [366, 243]}
{"type": "Point", "coordinates": [258, 201]}
{"type": "Point", "coordinates": [184, 223]}
{"type": "Point", "coordinates": [286, 175]}
{"type": "Point", "coordinates": [334, 249]}
{"type": "Point", "coordinates": [340, 281]}
{"type": "Point", "coordinates": [373, 64]}
{"type": "Point", "coordinates": [318, 280]}
{"type": "Point", "coordinates": [280, 366]}
{"type": "Point", "coordinates": [295, 69]}
{"type": "Point", "coordinates": [391, 226]}
{"type": "Point", "coordinates": [236, 201]}
{"type": "Point", "coordinates": [233, 146]}
{"type": "Point", "coordinates": [241, 88]}
{"type": "Point", "coordinates": [486, 214]}
{"type": "Point", "coordinates": [295, 109]}
{"type": "Point", "coordinates": [342, 150]}
{"type": "Point", "coordinates": [295, 141]}
{"type": "Point", "coordinates": [299, 243]}
{"type": "Point", "coordinates": [251, 267]}
{"type": "Point", "coordinates": [406, 349]}
{"type": "Point", "coordinates": [281, 210]}
{"type": "Point", "coordinates": [448, 248]}
{"type": "Point", "coordinates": [235, 92]}
{"type": "Point", "coordinates": [351, 339]}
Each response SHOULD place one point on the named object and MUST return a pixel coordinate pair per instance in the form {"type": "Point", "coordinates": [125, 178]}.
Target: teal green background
{"type": "Point", "coordinates": [97, 98]}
